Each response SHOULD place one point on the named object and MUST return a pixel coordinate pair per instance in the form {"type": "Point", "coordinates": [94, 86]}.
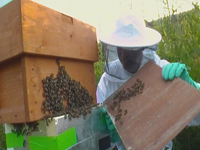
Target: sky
{"type": "Point", "coordinates": [102, 13]}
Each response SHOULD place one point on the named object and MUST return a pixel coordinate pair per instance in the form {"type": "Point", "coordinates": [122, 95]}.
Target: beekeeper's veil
{"type": "Point", "coordinates": [130, 33]}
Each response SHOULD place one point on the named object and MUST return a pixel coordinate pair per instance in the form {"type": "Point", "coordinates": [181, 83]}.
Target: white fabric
{"type": "Point", "coordinates": [130, 31]}
{"type": "Point", "coordinates": [108, 84]}
{"type": "Point", "coordinates": [168, 146]}
{"type": "Point", "coordinates": [195, 121]}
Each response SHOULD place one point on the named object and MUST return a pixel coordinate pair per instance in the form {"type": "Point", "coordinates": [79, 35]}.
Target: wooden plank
{"type": "Point", "coordinates": [158, 114]}
{"type": "Point", "coordinates": [49, 32]}
{"type": "Point", "coordinates": [28, 27]}
{"type": "Point", "coordinates": [10, 30]}
{"type": "Point", "coordinates": [11, 92]}
{"type": "Point", "coordinates": [37, 68]}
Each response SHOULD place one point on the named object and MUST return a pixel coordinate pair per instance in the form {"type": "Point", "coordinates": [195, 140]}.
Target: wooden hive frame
{"type": "Point", "coordinates": [157, 114]}
{"type": "Point", "coordinates": [32, 36]}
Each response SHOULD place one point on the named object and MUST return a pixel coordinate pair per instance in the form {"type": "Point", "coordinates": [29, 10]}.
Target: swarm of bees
{"type": "Point", "coordinates": [57, 91]}
{"type": "Point", "coordinates": [65, 96]}
{"type": "Point", "coordinates": [123, 95]}
{"type": "Point", "coordinates": [24, 128]}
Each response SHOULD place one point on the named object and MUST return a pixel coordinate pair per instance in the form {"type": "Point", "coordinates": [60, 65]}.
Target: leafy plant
{"type": "Point", "coordinates": [99, 66]}
{"type": "Point", "coordinates": [180, 40]}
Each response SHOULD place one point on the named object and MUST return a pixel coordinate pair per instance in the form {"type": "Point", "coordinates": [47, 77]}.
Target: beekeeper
{"type": "Point", "coordinates": [129, 47]}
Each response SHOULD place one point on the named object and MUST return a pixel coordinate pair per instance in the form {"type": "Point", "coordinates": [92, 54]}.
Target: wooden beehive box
{"type": "Point", "coordinates": [151, 119]}
{"type": "Point", "coordinates": [32, 37]}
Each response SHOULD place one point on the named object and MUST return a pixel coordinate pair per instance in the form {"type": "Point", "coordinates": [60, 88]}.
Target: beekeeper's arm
{"type": "Point", "coordinates": [172, 70]}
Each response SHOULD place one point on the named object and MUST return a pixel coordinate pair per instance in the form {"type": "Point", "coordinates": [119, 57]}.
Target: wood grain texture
{"type": "Point", "coordinates": [31, 28]}
{"type": "Point", "coordinates": [37, 68]}
{"type": "Point", "coordinates": [10, 30]}
{"type": "Point", "coordinates": [48, 32]}
{"type": "Point", "coordinates": [21, 86]}
{"type": "Point", "coordinates": [158, 114]}
{"type": "Point", "coordinates": [12, 108]}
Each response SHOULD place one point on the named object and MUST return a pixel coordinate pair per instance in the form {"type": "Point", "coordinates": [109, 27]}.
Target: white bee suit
{"type": "Point", "coordinates": [117, 76]}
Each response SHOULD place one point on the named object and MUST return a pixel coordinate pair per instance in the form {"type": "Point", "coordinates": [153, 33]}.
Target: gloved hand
{"type": "Point", "coordinates": [114, 137]}
{"type": "Point", "coordinates": [172, 70]}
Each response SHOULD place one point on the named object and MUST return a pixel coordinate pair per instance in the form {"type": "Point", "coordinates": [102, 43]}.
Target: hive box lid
{"type": "Point", "coordinates": [30, 28]}
{"type": "Point", "coordinates": [156, 116]}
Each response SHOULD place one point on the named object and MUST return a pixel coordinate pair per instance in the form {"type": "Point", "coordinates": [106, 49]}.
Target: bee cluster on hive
{"type": "Point", "coordinates": [62, 90]}
{"type": "Point", "coordinates": [57, 91]}
{"type": "Point", "coordinates": [123, 95]}
{"type": "Point", "coordinates": [25, 128]}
